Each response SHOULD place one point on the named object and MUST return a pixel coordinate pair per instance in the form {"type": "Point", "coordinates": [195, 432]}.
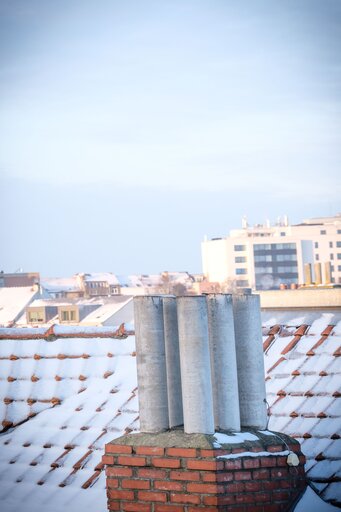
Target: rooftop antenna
{"type": "Point", "coordinates": [244, 222]}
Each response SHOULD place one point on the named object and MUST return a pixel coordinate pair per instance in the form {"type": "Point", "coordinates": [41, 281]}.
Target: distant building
{"type": "Point", "coordinates": [18, 279]}
{"type": "Point", "coordinates": [264, 257]}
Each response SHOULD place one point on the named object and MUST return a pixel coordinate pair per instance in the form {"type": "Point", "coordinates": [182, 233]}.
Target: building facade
{"type": "Point", "coordinates": [264, 257]}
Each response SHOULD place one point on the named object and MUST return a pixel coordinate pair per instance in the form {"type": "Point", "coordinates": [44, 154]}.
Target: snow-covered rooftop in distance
{"type": "Point", "coordinates": [58, 284]}
{"type": "Point", "coordinates": [108, 309]}
{"type": "Point", "coordinates": [108, 277]}
{"type": "Point", "coordinates": [13, 301]}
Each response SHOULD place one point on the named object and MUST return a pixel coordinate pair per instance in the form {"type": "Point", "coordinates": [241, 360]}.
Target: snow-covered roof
{"type": "Point", "coordinates": [303, 380]}
{"type": "Point", "coordinates": [72, 395]}
{"type": "Point", "coordinates": [107, 277]}
{"type": "Point", "coordinates": [59, 284]}
{"type": "Point", "coordinates": [107, 310]}
{"type": "Point", "coordinates": [13, 301]}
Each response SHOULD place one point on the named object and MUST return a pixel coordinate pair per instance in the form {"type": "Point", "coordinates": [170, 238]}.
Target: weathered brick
{"type": "Point", "coordinates": [112, 483]}
{"type": "Point", "coordinates": [117, 471]}
{"type": "Point", "coordinates": [209, 476]}
{"type": "Point", "coordinates": [242, 475]}
{"type": "Point", "coordinates": [152, 496]}
{"type": "Point", "coordinates": [202, 465]}
{"type": "Point", "coordinates": [210, 500]}
{"type": "Point", "coordinates": [251, 463]}
{"type": "Point", "coordinates": [244, 498]}
{"type": "Point", "coordinates": [261, 474]}
{"type": "Point", "coordinates": [238, 450]}
{"type": "Point", "coordinates": [151, 473]}
{"type": "Point", "coordinates": [120, 495]}
{"type": "Point", "coordinates": [233, 464]}
{"type": "Point", "coordinates": [136, 484]}
{"type": "Point", "coordinates": [117, 448]}
{"type": "Point", "coordinates": [203, 488]}
{"type": "Point", "coordinates": [262, 497]}
{"type": "Point", "coordinates": [166, 463]}
{"type": "Point", "coordinates": [275, 448]}
{"type": "Point", "coordinates": [185, 475]}
{"type": "Point", "coordinates": [228, 499]}
{"type": "Point", "coordinates": [280, 495]}
{"type": "Point", "coordinates": [184, 498]}
{"type": "Point", "coordinates": [226, 476]}
{"type": "Point", "coordinates": [279, 473]}
{"type": "Point", "coordinates": [168, 486]}
{"type": "Point", "coordinates": [208, 453]}
{"type": "Point", "coordinates": [114, 505]}
{"type": "Point", "coordinates": [149, 450]}
{"type": "Point", "coordinates": [108, 459]}
{"type": "Point", "coordinates": [168, 507]}
{"type": "Point", "coordinates": [136, 507]}
{"type": "Point", "coordinates": [235, 487]}
{"type": "Point", "coordinates": [253, 486]}
{"type": "Point", "coordinates": [268, 462]}
{"type": "Point", "coordinates": [131, 461]}
{"type": "Point", "coordinates": [207, 509]}
{"type": "Point", "coordinates": [181, 452]}
{"type": "Point", "coordinates": [270, 485]}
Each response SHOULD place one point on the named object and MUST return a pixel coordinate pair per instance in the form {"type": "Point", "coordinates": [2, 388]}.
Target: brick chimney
{"type": "Point", "coordinates": [207, 350]}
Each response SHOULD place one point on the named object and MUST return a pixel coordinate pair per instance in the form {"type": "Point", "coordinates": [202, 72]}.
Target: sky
{"type": "Point", "coordinates": [131, 129]}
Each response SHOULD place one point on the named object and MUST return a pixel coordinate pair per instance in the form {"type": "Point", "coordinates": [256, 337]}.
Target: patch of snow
{"type": "Point", "coordinates": [311, 502]}
{"type": "Point", "coordinates": [252, 454]}
{"type": "Point", "coordinates": [238, 437]}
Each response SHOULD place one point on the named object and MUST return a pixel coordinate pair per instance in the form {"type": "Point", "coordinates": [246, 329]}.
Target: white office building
{"type": "Point", "coordinates": [265, 257]}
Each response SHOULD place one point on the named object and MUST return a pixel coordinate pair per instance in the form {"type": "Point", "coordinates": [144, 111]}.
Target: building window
{"type": "Point", "coordinates": [339, 268]}
{"type": "Point", "coordinates": [331, 256]}
{"type": "Point", "coordinates": [35, 316]}
{"type": "Point", "coordinates": [286, 270]}
{"type": "Point", "coordinates": [332, 268]}
{"type": "Point", "coordinates": [316, 245]}
{"type": "Point", "coordinates": [338, 244]}
{"type": "Point", "coordinates": [286, 257]}
{"type": "Point", "coordinates": [68, 316]}
{"type": "Point", "coordinates": [317, 257]}
{"type": "Point", "coordinates": [323, 232]}
{"type": "Point", "coordinates": [339, 231]}
{"type": "Point", "coordinates": [240, 259]}
{"type": "Point", "coordinates": [339, 256]}
{"type": "Point", "coordinates": [331, 244]}
{"type": "Point", "coordinates": [263, 270]}
{"type": "Point", "coordinates": [283, 233]}
{"type": "Point", "coordinates": [240, 247]}
{"type": "Point", "coordinates": [240, 271]}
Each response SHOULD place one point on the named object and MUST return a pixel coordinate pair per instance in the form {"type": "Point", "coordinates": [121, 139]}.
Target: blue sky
{"type": "Point", "coordinates": [129, 130]}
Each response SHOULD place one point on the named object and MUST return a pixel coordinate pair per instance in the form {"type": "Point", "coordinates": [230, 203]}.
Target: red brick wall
{"type": "Point", "coordinates": [157, 479]}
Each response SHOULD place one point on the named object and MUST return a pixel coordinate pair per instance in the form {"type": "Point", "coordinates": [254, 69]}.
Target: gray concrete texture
{"type": "Point", "coordinates": [223, 362]}
{"type": "Point", "coordinates": [200, 363]}
{"type": "Point", "coordinates": [250, 361]}
{"type": "Point", "coordinates": [195, 365]}
{"type": "Point", "coordinates": [171, 334]}
{"type": "Point", "coordinates": [151, 363]}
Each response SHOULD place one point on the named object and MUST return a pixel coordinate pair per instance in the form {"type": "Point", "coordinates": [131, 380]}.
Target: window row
{"type": "Point", "coordinates": [331, 244]}
{"type": "Point", "coordinates": [273, 247]}
{"type": "Point", "coordinates": [276, 270]}
{"type": "Point", "coordinates": [275, 257]}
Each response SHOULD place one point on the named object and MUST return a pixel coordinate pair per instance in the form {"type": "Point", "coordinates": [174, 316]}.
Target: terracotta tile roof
{"type": "Point", "coordinates": [92, 379]}
{"type": "Point", "coordinates": [303, 379]}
